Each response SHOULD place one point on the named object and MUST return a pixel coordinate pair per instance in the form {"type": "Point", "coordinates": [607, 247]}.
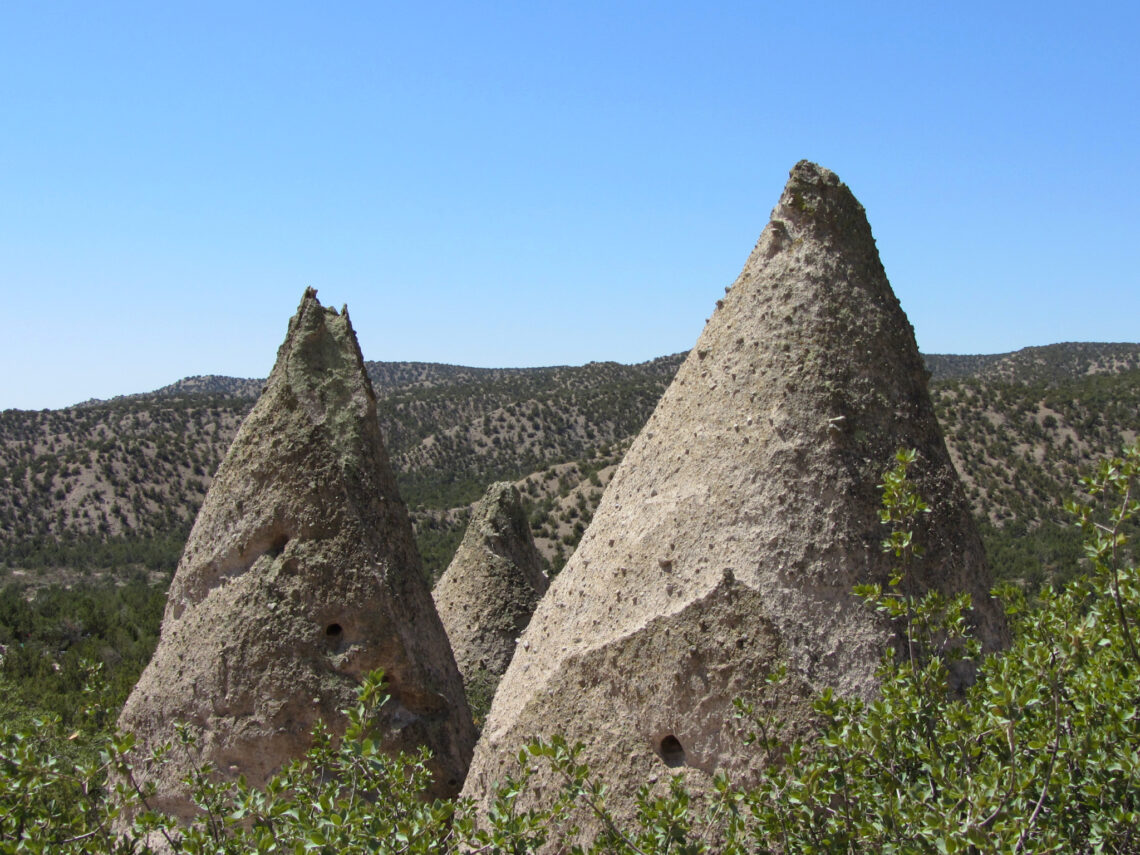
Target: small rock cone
{"type": "Point", "coordinates": [487, 594]}
{"type": "Point", "coordinates": [735, 528]}
{"type": "Point", "coordinates": [300, 575]}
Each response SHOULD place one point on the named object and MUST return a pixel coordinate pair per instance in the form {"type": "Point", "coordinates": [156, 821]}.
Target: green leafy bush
{"type": "Point", "coordinates": [1041, 755]}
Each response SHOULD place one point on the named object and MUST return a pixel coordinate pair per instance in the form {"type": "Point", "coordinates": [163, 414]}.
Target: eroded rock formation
{"type": "Point", "coordinates": [489, 591]}
{"type": "Point", "coordinates": [300, 575]}
{"type": "Point", "coordinates": [735, 528]}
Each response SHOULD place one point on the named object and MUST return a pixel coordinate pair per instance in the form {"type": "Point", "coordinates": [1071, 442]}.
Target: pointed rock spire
{"type": "Point", "coordinates": [735, 528]}
{"type": "Point", "coordinates": [489, 591]}
{"type": "Point", "coordinates": [300, 575]}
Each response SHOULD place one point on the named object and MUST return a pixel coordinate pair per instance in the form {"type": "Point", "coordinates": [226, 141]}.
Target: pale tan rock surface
{"type": "Point", "coordinates": [300, 575]}
{"type": "Point", "coordinates": [735, 528]}
{"type": "Point", "coordinates": [488, 593]}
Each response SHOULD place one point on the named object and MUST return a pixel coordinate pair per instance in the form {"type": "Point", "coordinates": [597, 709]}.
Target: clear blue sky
{"type": "Point", "coordinates": [531, 183]}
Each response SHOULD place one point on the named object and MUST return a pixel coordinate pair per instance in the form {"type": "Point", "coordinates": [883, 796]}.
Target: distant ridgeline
{"type": "Point", "coordinates": [113, 486]}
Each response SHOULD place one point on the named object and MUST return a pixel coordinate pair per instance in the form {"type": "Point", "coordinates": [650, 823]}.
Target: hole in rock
{"type": "Point", "coordinates": [672, 752]}
{"type": "Point", "coordinates": [277, 546]}
{"type": "Point", "coordinates": [333, 630]}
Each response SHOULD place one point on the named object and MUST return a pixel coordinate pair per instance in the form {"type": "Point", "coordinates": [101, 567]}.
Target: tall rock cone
{"type": "Point", "coordinates": [734, 530]}
{"type": "Point", "coordinates": [487, 595]}
{"type": "Point", "coordinates": [300, 575]}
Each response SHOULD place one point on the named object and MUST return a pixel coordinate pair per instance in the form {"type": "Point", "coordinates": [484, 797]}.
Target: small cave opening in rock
{"type": "Point", "coordinates": [671, 751]}
{"type": "Point", "coordinates": [277, 546]}
{"type": "Point", "coordinates": [333, 631]}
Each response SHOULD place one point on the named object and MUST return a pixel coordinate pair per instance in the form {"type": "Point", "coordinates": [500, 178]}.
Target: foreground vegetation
{"type": "Point", "coordinates": [1040, 754]}
{"type": "Point", "coordinates": [47, 643]}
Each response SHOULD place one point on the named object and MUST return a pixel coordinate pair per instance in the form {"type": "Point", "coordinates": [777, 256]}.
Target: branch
{"type": "Point", "coordinates": [1052, 757]}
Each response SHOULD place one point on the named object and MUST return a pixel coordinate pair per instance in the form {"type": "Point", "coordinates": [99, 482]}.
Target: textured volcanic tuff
{"type": "Point", "coordinates": [489, 591]}
{"type": "Point", "coordinates": [300, 574]}
{"type": "Point", "coordinates": [733, 531]}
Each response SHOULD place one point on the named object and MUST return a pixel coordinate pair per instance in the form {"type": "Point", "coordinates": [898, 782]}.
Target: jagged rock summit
{"type": "Point", "coordinates": [731, 535]}
{"type": "Point", "coordinates": [300, 575]}
{"type": "Point", "coordinates": [486, 596]}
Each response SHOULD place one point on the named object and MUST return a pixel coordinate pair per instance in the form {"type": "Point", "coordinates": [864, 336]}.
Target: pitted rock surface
{"type": "Point", "coordinates": [489, 591]}
{"type": "Point", "coordinates": [300, 574]}
{"type": "Point", "coordinates": [731, 535]}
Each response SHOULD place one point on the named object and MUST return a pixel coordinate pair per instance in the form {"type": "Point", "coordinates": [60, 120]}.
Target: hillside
{"type": "Point", "coordinates": [110, 484]}
{"type": "Point", "coordinates": [451, 435]}
{"type": "Point", "coordinates": [1031, 365]}
{"type": "Point", "coordinates": [101, 484]}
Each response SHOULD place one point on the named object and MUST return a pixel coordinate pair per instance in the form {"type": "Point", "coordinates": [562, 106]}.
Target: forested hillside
{"type": "Point", "coordinates": [448, 440]}
{"type": "Point", "coordinates": [105, 487]}
{"type": "Point", "coordinates": [101, 485]}
{"type": "Point", "coordinates": [1019, 448]}
{"type": "Point", "coordinates": [1051, 364]}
